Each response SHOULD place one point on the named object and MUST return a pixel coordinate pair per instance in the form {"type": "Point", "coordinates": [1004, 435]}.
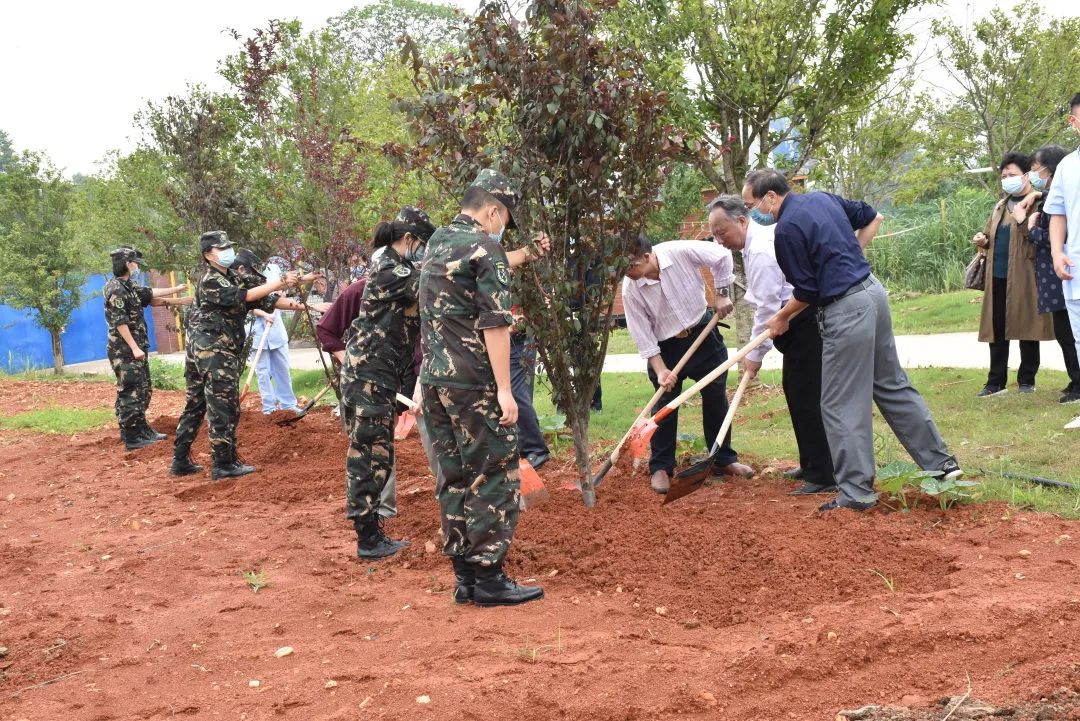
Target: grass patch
{"type": "Point", "coordinates": [920, 314]}
{"type": "Point", "coordinates": [1012, 433]}
{"type": "Point", "coordinates": [58, 420]}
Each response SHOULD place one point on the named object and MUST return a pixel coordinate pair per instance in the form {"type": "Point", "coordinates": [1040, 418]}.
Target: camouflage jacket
{"type": "Point", "coordinates": [124, 303]}
{"type": "Point", "coordinates": [216, 319]}
{"type": "Point", "coordinates": [464, 289]}
{"type": "Point", "coordinates": [382, 339]}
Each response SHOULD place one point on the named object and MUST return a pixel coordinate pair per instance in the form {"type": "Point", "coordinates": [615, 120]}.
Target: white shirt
{"type": "Point", "coordinates": [1064, 199]}
{"type": "Point", "coordinates": [660, 309]}
{"type": "Point", "coordinates": [766, 287]}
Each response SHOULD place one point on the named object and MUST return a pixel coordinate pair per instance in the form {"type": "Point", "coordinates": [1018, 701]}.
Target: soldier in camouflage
{"type": "Point", "coordinates": [378, 355]}
{"type": "Point", "coordinates": [468, 404]}
{"type": "Point", "coordinates": [129, 343]}
{"type": "Point", "coordinates": [214, 336]}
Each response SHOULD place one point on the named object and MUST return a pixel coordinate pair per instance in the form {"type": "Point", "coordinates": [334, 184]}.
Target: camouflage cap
{"type": "Point", "coordinates": [249, 260]}
{"type": "Point", "coordinates": [500, 187]}
{"type": "Point", "coordinates": [213, 239]}
{"type": "Point", "coordinates": [127, 254]}
{"type": "Point", "coordinates": [417, 220]}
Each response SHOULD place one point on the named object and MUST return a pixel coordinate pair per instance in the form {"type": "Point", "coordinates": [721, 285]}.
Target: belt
{"type": "Point", "coordinates": [857, 288]}
{"type": "Point", "coordinates": [695, 329]}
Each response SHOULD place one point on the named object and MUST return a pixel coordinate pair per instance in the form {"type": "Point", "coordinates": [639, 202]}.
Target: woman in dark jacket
{"type": "Point", "coordinates": [1051, 299]}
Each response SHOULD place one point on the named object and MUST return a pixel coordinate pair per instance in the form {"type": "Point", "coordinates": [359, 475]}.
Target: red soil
{"type": "Point", "coordinates": [738, 602]}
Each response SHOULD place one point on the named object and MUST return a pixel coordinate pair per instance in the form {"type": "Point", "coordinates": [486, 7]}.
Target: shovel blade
{"type": "Point", "coordinates": [688, 480]}
{"type": "Point", "coordinates": [640, 439]}
{"type": "Point", "coordinates": [405, 423]}
{"type": "Point", "coordinates": [532, 490]}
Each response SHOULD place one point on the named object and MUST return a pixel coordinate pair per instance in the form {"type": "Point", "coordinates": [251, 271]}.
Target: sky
{"type": "Point", "coordinates": [76, 72]}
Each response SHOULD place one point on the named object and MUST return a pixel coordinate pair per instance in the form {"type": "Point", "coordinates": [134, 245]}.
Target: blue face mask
{"type": "Point", "coordinates": [1036, 180]}
{"type": "Point", "coordinates": [226, 257]}
{"type": "Point", "coordinates": [415, 255]}
{"type": "Point", "coordinates": [762, 218]}
{"type": "Point", "coordinates": [1012, 185]}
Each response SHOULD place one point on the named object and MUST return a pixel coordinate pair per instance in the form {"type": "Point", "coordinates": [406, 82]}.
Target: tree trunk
{"type": "Point", "coordinates": [579, 427]}
{"type": "Point", "coordinates": [57, 351]}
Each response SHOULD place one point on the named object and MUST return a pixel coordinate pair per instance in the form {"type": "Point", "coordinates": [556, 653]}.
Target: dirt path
{"type": "Point", "coordinates": [736, 603]}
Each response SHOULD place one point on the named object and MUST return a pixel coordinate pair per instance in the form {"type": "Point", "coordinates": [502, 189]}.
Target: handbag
{"type": "Point", "coordinates": [975, 273]}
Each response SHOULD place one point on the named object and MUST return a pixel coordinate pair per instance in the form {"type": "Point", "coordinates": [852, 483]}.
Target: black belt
{"type": "Point", "coordinates": [857, 288]}
{"type": "Point", "coordinates": [694, 330]}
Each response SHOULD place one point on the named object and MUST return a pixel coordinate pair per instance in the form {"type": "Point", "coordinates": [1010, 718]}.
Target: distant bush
{"type": "Point", "coordinates": [167, 376]}
{"type": "Point", "coordinates": [931, 257]}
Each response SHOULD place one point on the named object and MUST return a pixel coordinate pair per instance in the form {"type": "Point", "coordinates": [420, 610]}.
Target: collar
{"type": "Point", "coordinates": [663, 261]}
{"type": "Point", "coordinates": [783, 205]}
{"type": "Point", "coordinates": [465, 219]}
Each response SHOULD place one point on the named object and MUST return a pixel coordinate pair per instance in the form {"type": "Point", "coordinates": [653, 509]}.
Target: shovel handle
{"type": "Point", "coordinates": [407, 402]}
{"type": "Point", "coordinates": [255, 363]}
{"type": "Point", "coordinates": [660, 391]}
{"type": "Point", "coordinates": [730, 417]}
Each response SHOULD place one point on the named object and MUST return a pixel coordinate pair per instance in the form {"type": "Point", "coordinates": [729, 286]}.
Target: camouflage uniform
{"type": "Point", "coordinates": [379, 352]}
{"type": "Point", "coordinates": [465, 289]}
{"type": "Point", "coordinates": [214, 341]}
{"type": "Point", "coordinates": [124, 303]}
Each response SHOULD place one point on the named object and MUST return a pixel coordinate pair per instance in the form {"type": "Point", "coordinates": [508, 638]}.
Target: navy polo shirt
{"type": "Point", "coordinates": [816, 245]}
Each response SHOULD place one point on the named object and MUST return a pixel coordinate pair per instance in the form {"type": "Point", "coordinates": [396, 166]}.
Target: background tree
{"type": "Point", "coordinates": [575, 121]}
{"type": "Point", "coordinates": [7, 152]}
{"type": "Point", "coordinates": [373, 33]}
{"type": "Point", "coordinates": [40, 261]}
{"type": "Point", "coordinates": [1015, 72]}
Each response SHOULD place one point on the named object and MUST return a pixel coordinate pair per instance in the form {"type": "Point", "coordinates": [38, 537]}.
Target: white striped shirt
{"type": "Point", "coordinates": [660, 309]}
{"type": "Point", "coordinates": [766, 287]}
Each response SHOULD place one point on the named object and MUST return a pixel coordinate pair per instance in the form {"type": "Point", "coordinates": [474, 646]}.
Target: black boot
{"type": "Point", "coordinates": [495, 588]}
{"type": "Point", "coordinates": [228, 466]}
{"type": "Point", "coordinates": [133, 438]}
{"type": "Point", "coordinates": [149, 433]}
{"type": "Point", "coordinates": [182, 465]}
{"type": "Point", "coordinates": [465, 580]}
{"type": "Point", "coordinates": [371, 542]}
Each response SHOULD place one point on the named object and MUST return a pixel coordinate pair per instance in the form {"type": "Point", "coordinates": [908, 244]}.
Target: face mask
{"type": "Point", "coordinates": [1036, 180]}
{"type": "Point", "coordinates": [1012, 185]}
{"type": "Point", "coordinates": [416, 253]}
{"type": "Point", "coordinates": [502, 229]}
{"type": "Point", "coordinates": [762, 218]}
{"type": "Point", "coordinates": [226, 256]}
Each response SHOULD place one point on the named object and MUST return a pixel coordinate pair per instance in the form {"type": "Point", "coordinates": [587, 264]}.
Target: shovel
{"type": "Point", "coordinates": [614, 457]}
{"type": "Point", "coordinates": [691, 479]}
{"type": "Point", "coordinates": [255, 363]}
{"type": "Point", "coordinates": [406, 421]}
{"type": "Point", "coordinates": [307, 407]}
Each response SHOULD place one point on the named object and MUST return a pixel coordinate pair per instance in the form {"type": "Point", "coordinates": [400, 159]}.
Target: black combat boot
{"type": "Point", "coordinates": [182, 465]}
{"type": "Point", "coordinates": [465, 579]}
{"type": "Point", "coordinates": [133, 438]}
{"type": "Point", "coordinates": [495, 588]}
{"type": "Point", "coordinates": [228, 466]}
{"type": "Point", "coordinates": [149, 433]}
{"type": "Point", "coordinates": [371, 541]}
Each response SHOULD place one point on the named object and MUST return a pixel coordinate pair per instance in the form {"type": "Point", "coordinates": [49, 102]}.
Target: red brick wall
{"type": "Point", "coordinates": [164, 319]}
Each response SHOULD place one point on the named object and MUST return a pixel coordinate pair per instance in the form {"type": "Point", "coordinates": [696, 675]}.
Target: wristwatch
{"type": "Point", "coordinates": [723, 292]}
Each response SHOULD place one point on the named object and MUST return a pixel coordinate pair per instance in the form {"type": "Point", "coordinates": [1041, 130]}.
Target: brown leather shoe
{"type": "Point", "coordinates": [660, 482]}
{"type": "Point", "coordinates": [736, 469]}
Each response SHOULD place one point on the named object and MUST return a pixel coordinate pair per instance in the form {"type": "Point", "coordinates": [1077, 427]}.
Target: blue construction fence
{"type": "Point", "coordinates": [25, 345]}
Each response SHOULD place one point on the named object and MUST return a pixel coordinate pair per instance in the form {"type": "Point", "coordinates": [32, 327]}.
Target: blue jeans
{"type": "Point", "coordinates": [522, 373]}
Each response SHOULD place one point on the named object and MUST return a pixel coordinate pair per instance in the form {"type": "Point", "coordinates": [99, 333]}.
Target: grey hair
{"type": "Point", "coordinates": [732, 205]}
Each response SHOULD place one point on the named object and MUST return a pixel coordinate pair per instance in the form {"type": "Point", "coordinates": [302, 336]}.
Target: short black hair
{"type": "Point", "coordinates": [1049, 156]}
{"type": "Point", "coordinates": [1014, 158]}
{"type": "Point", "coordinates": [476, 198]}
{"type": "Point", "coordinates": [1074, 103]}
{"type": "Point", "coordinates": [763, 180]}
{"type": "Point", "coordinates": [640, 246]}
{"type": "Point", "coordinates": [119, 267]}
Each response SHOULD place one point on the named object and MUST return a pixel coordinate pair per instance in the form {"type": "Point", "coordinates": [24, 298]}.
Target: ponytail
{"type": "Point", "coordinates": [385, 234]}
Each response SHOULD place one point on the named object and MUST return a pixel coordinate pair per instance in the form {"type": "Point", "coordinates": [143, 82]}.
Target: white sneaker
{"type": "Point", "coordinates": [1073, 424]}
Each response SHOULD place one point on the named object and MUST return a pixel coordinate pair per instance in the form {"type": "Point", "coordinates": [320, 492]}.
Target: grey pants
{"type": "Point", "coordinates": [859, 365]}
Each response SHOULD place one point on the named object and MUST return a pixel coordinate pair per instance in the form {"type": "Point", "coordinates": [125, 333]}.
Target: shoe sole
{"type": "Point", "coordinates": [493, 604]}
{"type": "Point", "coordinates": [1001, 392]}
{"type": "Point", "coordinates": [954, 475]}
{"type": "Point", "coordinates": [822, 492]}
{"type": "Point", "coordinates": [185, 473]}
{"type": "Point", "coordinates": [221, 477]}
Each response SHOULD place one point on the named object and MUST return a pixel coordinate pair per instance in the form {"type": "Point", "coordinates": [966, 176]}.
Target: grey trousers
{"type": "Point", "coordinates": [859, 365]}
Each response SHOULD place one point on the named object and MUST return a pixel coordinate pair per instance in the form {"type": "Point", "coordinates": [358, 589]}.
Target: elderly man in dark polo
{"type": "Point", "coordinates": [820, 240]}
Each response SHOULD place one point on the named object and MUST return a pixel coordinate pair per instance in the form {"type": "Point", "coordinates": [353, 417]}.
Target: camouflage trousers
{"type": "Point", "coordinates": [369, 413]}
{"type": "Point", "coordinates": [213, 388]}
{"type": "Point", "coordinates": [133, 391]}
{"type": "Point", "coordinates": [478, 490]}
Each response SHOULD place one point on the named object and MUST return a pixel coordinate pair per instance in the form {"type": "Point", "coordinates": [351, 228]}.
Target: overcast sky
{"type": "Point", "coordinates": [74, 73]}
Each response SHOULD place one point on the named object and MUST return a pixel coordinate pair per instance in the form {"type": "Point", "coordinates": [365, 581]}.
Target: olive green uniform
{"type": "Point", "coordinates": [124, 303]}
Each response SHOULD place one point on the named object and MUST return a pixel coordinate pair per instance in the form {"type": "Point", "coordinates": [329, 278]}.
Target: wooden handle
{"type": "Point", "coordinates": [258, 355]}
{"type": "Point", "coordinates": [734, 406]}
{"type": "Point", "coordinates": [407, 402]}
{"type": "Point", "coordinates": [661, 390]}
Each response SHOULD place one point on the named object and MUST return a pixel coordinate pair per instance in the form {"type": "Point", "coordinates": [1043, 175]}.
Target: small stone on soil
{"type": "Point", "coordinates": [1025, 553]}
{"type": "Point", "coordinates": [330, 684]}
{"type": "Point", "coordinates": [429, 547]}
{"type": "Point", "coordinates": [423, 699]}
{"type": "Point", "coordinates": [283, 652]}
{"type": "Point", "coordinates": [254, 683]}
{"type": "Point", "coordinates": [708, 698]}
{"type": "Point", "coordinates": [661, 610]}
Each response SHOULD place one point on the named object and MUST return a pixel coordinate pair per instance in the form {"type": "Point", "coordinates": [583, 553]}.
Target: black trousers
{"type": "Point", "coordinates": [999, 348]}
{"type": "Point", "coordinates": [522, 378]}
{"type": "Point", "coordinates": [801, 347]}
{"type": "Point", "coordinates": [1064, 335]}
{"type": "Point", "coordinates": [714, 402]}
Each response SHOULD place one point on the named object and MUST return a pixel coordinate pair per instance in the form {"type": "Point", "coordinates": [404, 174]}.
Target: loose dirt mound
{"type": "Point", "coordinates": [738, 602]}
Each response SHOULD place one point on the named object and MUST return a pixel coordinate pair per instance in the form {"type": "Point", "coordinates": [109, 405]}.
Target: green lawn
{"type": "Point", "coordinates": [919, 314]}
{"type": "Point", "coordinates": [1013, 433]}
{"type": "Point", "coordinates": [59, 420]}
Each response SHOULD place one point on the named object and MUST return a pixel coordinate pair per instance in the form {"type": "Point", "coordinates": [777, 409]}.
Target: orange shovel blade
{"type": "Point", "coordinates": [405, 423]}
{"type": "Point", "coordinates": [640, 439]}
{"type": "Point", "coordinates": [533, 492]}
